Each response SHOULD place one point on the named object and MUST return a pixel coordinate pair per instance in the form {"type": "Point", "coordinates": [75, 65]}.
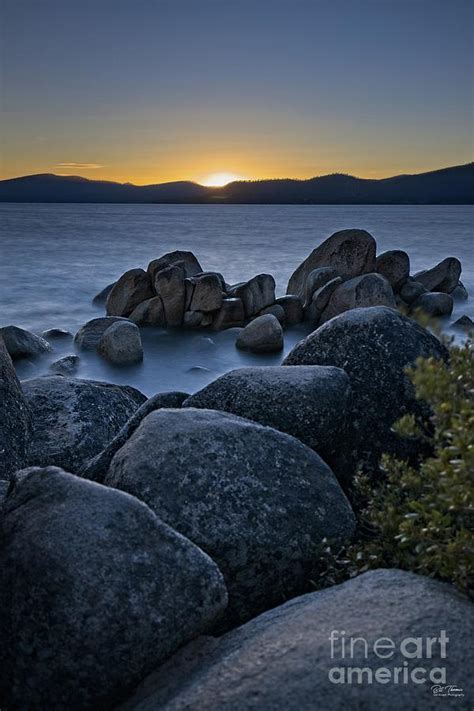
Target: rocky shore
{"type": "Point", "coordinates": [162, 553]}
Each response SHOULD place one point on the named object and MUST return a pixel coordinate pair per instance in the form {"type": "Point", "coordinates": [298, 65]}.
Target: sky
{"type": "Point", "coordinates": [151, 91]}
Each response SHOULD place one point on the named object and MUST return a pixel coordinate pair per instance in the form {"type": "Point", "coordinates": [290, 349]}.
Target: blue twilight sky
{"type": "Point", "coordinates": [156, 90]}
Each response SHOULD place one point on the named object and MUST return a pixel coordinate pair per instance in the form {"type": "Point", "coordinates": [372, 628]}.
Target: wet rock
{"type": "Point", "coordinates": [285, 659]}
{"type": "Point", "coordinates": [186, 260]}
{"type": "Point", "coordinates": [316, 401]}
{"type": "Point", "coordinates": [73, 420]}
{"type": "Point", "coordinates": [262, 335]}
{"type": "Point", "coordinates": [320, 300]}
{"type": "Point", "coordinates": [88, 337]}
{"type": "Point", "coordinates": [365, 290]}
{"type": "Point", "coordinates": [316, 279]}
{"type": "Point", "coordinates": [23, 344]}
{"type": "Point", "coordinates": [350, 252]}
{"type": "Point", "coordinates": [56, 334]}
{"type": "Point", "coordinates": [394, 265]}
{"type": "Point", "coordinates": [149, 313]}
{"type": "Point", "coordinates": [104, 594]}
{"type": "Point", "coordinates": [434, 304]}
{"type": "Point", "coordinates": [411, 290]}
{"type": "Point", "coordinates": [443, 277]}
{"type": "Point", "coordinates": [192, 319]}
{"type": "Point", "coordinates": [206, 293]}
{"type": "Point", "coordinates": [101, 297]}
{"type": "Point", "coordinates": [256, 500]}
{"type": "Point", "coordinates": [464, 323]}
{"type": "Point", "coordinates": [293, 308]}
{"type": "Point", "coordinates": [96, 469]}
{"type": "Point", "coordinates": [121, 344]}
{"type": "Point", "coordinates": [256, 294]}
{"type": "Point", "coordinates": [374, 346]}
{"type": "Point", "coordinates": [460, 292]}
{"type": "Point", "coordinates": [275, 310]}
{"type": "Point", "coordinates": [65, 366]}
{"type": "Point", "coordinates": [170, 286]}
{"type": "Point", "coordinates": [230, 315]}
{"type": "Point", "coordinates": [131, 289]}
{"type": "Point", "coordinates": [15, 418]}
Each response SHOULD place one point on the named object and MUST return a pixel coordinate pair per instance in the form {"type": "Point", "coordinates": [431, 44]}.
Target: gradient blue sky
{"type": "Point", "coordinates": [156, 90]}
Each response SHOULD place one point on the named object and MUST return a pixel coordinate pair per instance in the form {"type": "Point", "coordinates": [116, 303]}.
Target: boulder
{"type": "Point", "coordinates": [256, 294]}
{"type": "Point", "coordinates": [192, 319]}
{"type": "Point", "coordinates": [73, 420]}
{"type": "Point", "coordinates": [411, 290]}
{"type": "Point", "coordinates": [293, 308]}
{"type": "Point", "coordinates": [23, 344]}
{"type": "Point", "coordinates": [374, 346]}
{"type": "Point", "coordinates": [292, 657]}
{"type": "Point", "coordinates": [183, 259]}
{"type": "Point", "coordinates": [309, 402]}
{"type": "Point", "coordinates": [169, 284]}
{"type": "Point", "coordinates": [65, 366]}
{"type": "Point", "coordinates": [121, 344]}
{"type": "Point", "coordinates": [95, 592]}
{"type": "Point", "coordinates": [256, 500]}
{"type": "Point", "coordinates": [96, 469]}
{"type": "Point", "coordinates": [434, 304]}
{"type": "Point", "coordinates": [275, 310]}
{"type": "Point", "coordinates": [15, 418]}
{"type": "Point", "coordinates": [365, 290]}
{"type": "Point", "coordinates": [56, 334]}
{"type": "Point", "coordinates": [101, 297]}
{"type": "Point", "coordinates": [320, 300]}
{"type": "Point", "coordinates": [131, 289]}
{"type": "Point", "coordinates": [206, 293]}
{"type": "Point", "coordinates": [316, 279]}
{"type": "Point", "coordinates": [394, 265]}
{"type": "Point", "coordinates": [262, 335]}
{"type": "Point", "coordinates": [230, 314]}
{"type": "Point", "coordinates": [464, 323]}
{"type": "Point", "coordinates": [89, 336]}
{"type": "Point", "coordinates": [443, 277]}
{"type": "Point", "coordinates": [460, 292]}
{"type": "Point", "coordinates": [149, 313]}
{"type": "Point", "coordinates": [350, 252]}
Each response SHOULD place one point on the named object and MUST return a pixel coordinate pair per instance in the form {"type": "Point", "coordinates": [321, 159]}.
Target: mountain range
{"type": "Point", "coordinates": [454, 185]}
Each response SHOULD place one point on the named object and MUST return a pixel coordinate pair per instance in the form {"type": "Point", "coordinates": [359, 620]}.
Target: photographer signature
{"type": "Point", "coordinates": [450, 690]}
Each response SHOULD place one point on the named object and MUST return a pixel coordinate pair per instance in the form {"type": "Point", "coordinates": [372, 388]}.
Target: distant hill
{"type": "Point", "coordinates": [446, 186]}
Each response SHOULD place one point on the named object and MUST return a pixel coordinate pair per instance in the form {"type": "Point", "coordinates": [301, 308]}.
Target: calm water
{"type": "Point", "coordinates": [55, 258]}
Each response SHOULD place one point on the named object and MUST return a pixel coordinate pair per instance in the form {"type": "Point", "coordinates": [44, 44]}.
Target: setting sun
{"type": "Point", "coordinates": [217, 180]}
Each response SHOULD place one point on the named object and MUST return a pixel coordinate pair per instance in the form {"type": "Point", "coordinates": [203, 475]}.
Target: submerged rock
{"type": "Point", "coordinates": [262, 335]}
{"type": "Point", "coordinates": [394, 265]}
{"type": "Point", "coordinates": [434, 304]}
{"type": "Point", "coordinates": [366, 290]}
{"type": "Point", "coordinates": [56, 334]}
{"type": "Point", "coordinates": [256, 500]}
{"type": "Point", "coordinates": [121, 344]}
{"type": "Point", "coordinates": [89, 335]}
{"type": "Point", "coordinates": [131, 289]}
{"type": "Point", "coordinates": [15, 418]}
{"type": "Point", "coordinates": [73, 420]}
{"type": "Point", "coordinates": [65, 366]}
{"type": "Point", "coordinates": [23, 344]}
{"type": "Point", "coordinates": [292, 657]}
{"type": "Point", "coordinates": [443, 277]}
{"type": "Point", "coordinates": [96, 591]}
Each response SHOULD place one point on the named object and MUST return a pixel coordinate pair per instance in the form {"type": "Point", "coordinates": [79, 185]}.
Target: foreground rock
{"type": "Point", "coordinates": [121, 344]}
{"type": "Point", "coordinates": [350, 252]}
{"type": "Point", "coordinates": [96, 591]}
{"type": "Point", "coordinates": [374, 346]}
{"type": "Point", "coordinates": [442, 277]}
{"type": "Point", "coordinates": [284, 658]}
{"type": "Point", "coordinates": [309, 402]}
{"type": "Point", "coordinates": [131, 289]}
{"type": "Point", "coordinates": [89, 336]}
{"type": "Point", "coordinates": [15, 418]}
{"type": "Point", "coordinates": [23, 344]}
{"type": "Point", "coordinates": [73, 420]}
{"type": "Point", "coordinates": [256, 500]}
{"type": "Point", "coordinates": [262, 335]}
{"type": "Point", "coordinates": [434, 304]}
{"type": "Point", "coordinates": [97, 468]}
{"type": "Point", "coordinates": [366, 290]}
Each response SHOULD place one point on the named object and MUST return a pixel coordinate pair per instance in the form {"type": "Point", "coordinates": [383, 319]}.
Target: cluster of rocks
{"type": "Point", "coordinates": [149, 547]}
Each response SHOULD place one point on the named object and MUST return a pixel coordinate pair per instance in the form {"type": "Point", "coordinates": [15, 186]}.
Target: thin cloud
{"type": "Point", "coordinates": [82, 166]}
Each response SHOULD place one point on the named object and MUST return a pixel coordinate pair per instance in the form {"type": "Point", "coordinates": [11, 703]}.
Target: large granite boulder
{"type": "Point", "coordinates": [256, 500]}
{"type": "Point", "coordinates": [317, 279]}
{"type": "Point", "coordinates": [230, 314]}
{"type": "Point", "coordinates": [434, 303]}
{"type": "Point", "coordinates": [15, 418]}
{"type": "Point", "coordinates": [23, 344]}
{"type": "Point", "coordinates": [149, 313]}
{"type": "Point", "coordinates": [366, 290]}
{"type": "Point", "coordinates": [73, 420]}
{"type": "Point", "coordinates": [293, 308]}
{"type": "Point", "coordinates": [95, 592]}
{"type": "Point", "coordinates": [411, 290]}
{"type": "Point", "coordinates": [350, 252]}
{"type": "Point", "coordinates": [406, 638]}
{"type": "Point", "coordinates": [183, 259]}
{"type": "Point", "coordinates": [170, 286]}
{"type": "Point", "coordinates": [309, 402]}
{"type": "Point", "coordinates": [121, 344]}
{"type": "Point", "coordinates": [442, 277]}
{"type": "Point", "coordinates": [374, 346]}
{"type": "Point", "coordinates": [255, 294]}
{"type": "Point", "coordinates": [206, 293]}
{"type": "Point", "coordinates": [96, 469]}
{"type": "Point", "coordinates": [320, 299]}
{"type": "Point", "coordinates": [262, 335]}
{"type": "Point", "coordinates": [394, 265]}
{"type": "Point", "coordinates": [89, 335]}
{"type": "Point", "coordinates": [131, 289]}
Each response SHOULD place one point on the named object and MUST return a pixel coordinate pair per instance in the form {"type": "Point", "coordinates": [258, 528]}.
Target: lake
{"type": "Point", "coordinates": [56, 257]}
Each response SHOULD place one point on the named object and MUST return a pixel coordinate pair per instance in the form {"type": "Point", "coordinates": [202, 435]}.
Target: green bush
{"type": "Point", "coordinates": [422, 519]}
